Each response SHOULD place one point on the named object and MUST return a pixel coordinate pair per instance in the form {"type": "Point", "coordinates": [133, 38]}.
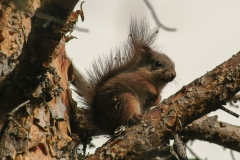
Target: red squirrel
{"type": "Point", "coordinates": [121, 87]}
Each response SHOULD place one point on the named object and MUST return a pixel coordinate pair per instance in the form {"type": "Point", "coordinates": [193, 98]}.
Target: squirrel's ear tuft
{"type": "Point", "coordinates": [145, 49]}
{"type": "Point", "coordinates": [146, 53]}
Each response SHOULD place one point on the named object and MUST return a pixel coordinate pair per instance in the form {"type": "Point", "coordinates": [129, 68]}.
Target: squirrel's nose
{"type": "Point", "coordinates": [170, 76]}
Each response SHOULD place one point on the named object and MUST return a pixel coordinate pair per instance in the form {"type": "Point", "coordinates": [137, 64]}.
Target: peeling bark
{"type": "Point", "coordinates": [40, 129]}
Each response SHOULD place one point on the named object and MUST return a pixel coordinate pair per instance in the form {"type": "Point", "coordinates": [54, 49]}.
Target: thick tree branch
{"type": "Point", "coordinates": [203, 95]}
{"type": "Point", "coordinates": [213, 131]}
{"type": "Point", "coordinates": [36, 54]}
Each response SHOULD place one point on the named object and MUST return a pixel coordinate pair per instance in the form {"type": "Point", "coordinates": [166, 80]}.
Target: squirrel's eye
{"type": "Point", "coordinates": [158, 64]}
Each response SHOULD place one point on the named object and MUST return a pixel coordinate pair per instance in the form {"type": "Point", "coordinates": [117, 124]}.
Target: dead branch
{"type": "Point", "coordinates": [148, 4]}
{"type": "Point", "coordinates": [213, 131]}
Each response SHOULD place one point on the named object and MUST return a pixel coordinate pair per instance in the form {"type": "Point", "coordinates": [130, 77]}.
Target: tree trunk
{"type": "Point", "coordinates": [39, 129]}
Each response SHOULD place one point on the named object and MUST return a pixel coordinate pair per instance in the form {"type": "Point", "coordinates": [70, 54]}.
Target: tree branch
{"type": "Point", "coordinates": [213, 131]}
{"type": "Point", "coordinates": [148, 4]}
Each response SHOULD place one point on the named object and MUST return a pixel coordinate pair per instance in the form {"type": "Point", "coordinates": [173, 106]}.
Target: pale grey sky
{"type": "Point", "coordinates": [207, 34]}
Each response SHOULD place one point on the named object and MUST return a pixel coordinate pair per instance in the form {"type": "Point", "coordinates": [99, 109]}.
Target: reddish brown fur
{"type": "Point", "coordinates": [119, 90]}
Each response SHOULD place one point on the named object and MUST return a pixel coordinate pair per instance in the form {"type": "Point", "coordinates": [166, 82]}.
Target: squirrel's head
{"type": "Point", "coordinates": [161, 67]}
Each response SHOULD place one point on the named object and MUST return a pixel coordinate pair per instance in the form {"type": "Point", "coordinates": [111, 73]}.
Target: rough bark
{"type": "Point", "coordinates": [213, 131]}
{"type": "Point", "coordinates": [39, 129]}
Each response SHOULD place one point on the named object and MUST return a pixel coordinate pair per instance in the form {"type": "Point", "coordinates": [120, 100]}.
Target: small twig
{"type": "Point", "coordinates": [18, 107]}
{"type": "Point", "coordinates": [49, 18]}
{"type": "Point", "coordinates": [81, 29]}
{"type": "Point", "coordinates": [81, 11]}
{"type": "Point", "coordinates": [9, 118]}
{"type": "Point", "coordinates": [229, 111]}
{"type": "Point", "coordinates": [156, 18]}
{"type": "Point", "coordinates": [180, 148]}
{"type": "Point", "coordinates": [193, 153]}
{"type": "Point", "coordinates": [231, 152]}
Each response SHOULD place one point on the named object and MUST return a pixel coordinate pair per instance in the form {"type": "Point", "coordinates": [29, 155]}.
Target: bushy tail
{"type": "Point", "coordinates": [82, 87]}
{"type": "Point", "coordinates": [125, 59]}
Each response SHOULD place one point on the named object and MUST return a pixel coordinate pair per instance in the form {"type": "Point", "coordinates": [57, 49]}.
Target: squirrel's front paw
{"type": "Point", "coordinates": [135, 119]}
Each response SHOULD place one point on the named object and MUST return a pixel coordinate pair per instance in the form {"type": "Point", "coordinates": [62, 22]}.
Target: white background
{"type": "Point", "coordinates": [208, 33]}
